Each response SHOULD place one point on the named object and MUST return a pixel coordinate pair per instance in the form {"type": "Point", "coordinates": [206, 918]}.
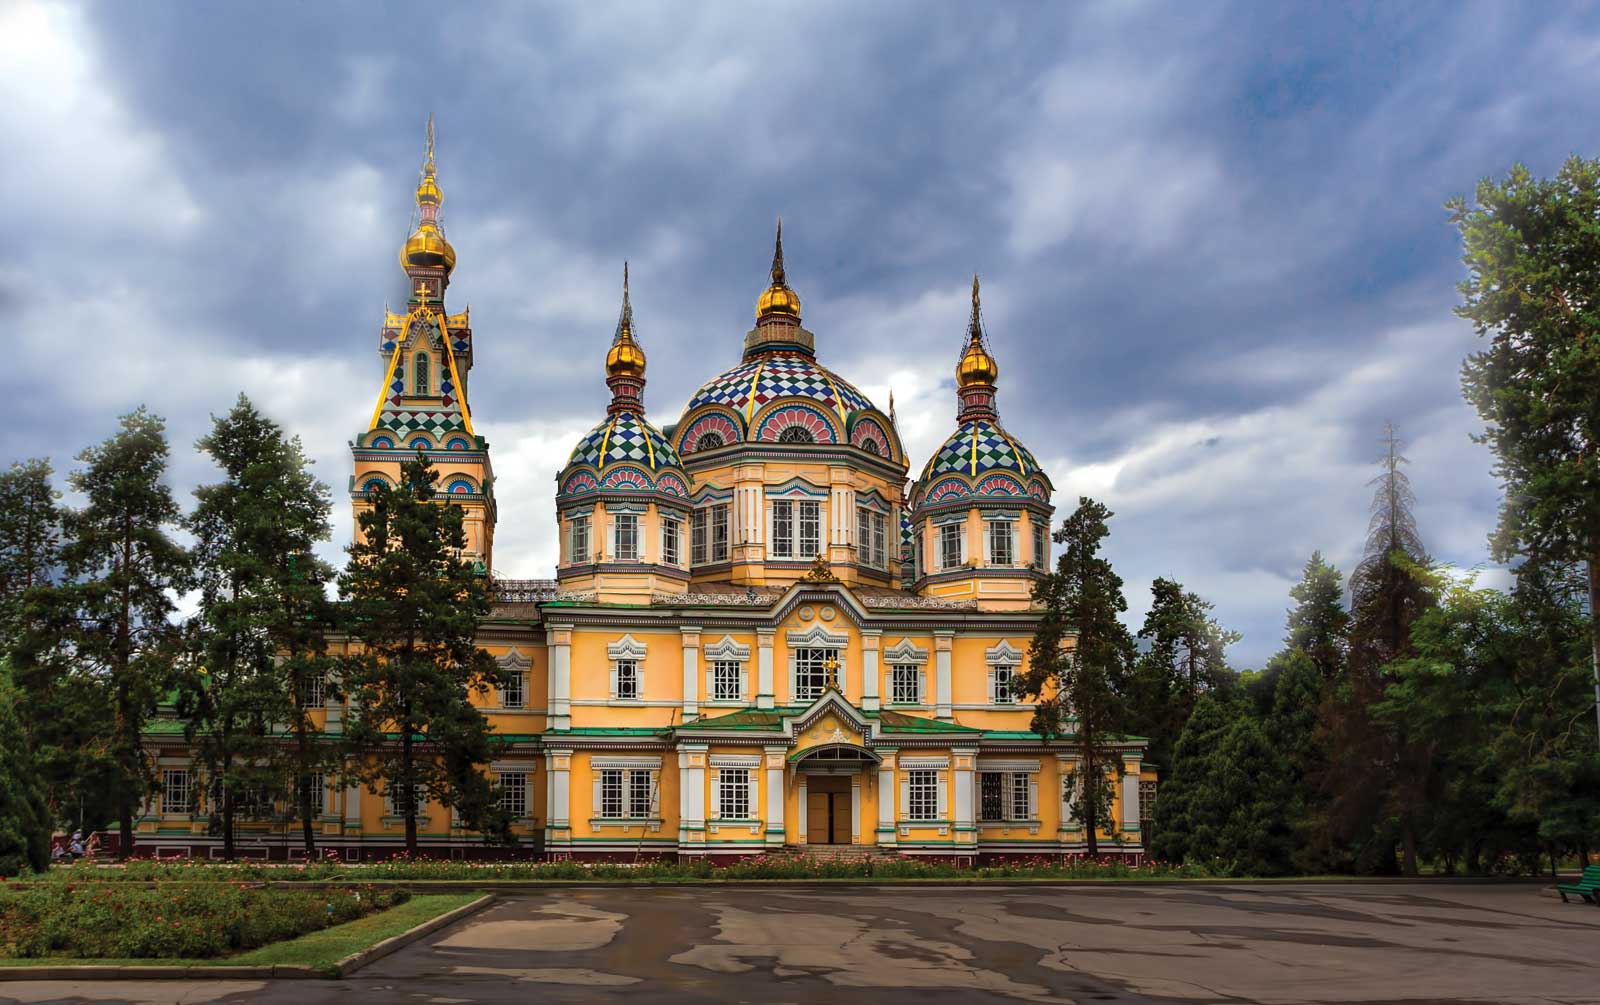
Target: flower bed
{"type": "Point", "coordinates": [405, 868]}
{"type": "Point", "coordinates": [201, 921]}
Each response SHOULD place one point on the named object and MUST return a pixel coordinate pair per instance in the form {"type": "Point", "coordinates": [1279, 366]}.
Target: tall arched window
{"type": "Point", "coordinates": [419, 383]}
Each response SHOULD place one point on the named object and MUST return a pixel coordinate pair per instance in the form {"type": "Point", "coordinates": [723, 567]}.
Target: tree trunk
{"type": "Point", "coordinates": [1091, 804]}
{"type": "Point", "coordinates": [1594, 634]}
{"type": "Point", "coordinates": [227, 808]}
{"type": "Point", "coordinates": [308, 834]}
{"type": "Point", "coordinates": [410, 791]}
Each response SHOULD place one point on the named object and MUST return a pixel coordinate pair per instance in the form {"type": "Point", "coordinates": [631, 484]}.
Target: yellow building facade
{"type": "Point", "coordinates": [762, 632]}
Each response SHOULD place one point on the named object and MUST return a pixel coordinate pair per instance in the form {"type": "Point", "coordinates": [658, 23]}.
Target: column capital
{"type": "Point", "coordinates": [690, 634]}
{"type": "Point", "coordinates": [764, 637]}
{"type": "Point", "coordinates": [871, 635]}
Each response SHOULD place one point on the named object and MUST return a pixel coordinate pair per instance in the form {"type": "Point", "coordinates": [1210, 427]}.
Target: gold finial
{"type": "Point", "coordinates": [778, 299]}
{"type": "Point", "coordinates": [427, 246]}
{"type": "Point", "coordinates": [626, 358]}
{"type": "Point", "coordinates": [976, 366]}
{"type": "Point", "coordinates": [428, 164]}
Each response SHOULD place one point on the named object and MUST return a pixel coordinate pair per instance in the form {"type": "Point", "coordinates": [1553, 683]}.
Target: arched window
{"type": "Point", "coordinates": [708, 441]}
{"type": "Point", "coordinates": [871, 446]}
{"type": "Point", "coordinates": [420, 383]}
{"type": "Point", "coordinates": [796, 434]}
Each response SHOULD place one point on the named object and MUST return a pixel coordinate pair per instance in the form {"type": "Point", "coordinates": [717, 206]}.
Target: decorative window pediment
{"type": "Point", "coordinates": [905, 652]}
{"type": "Point", "coordinates": [1004, 654]}
{"type": "Point", "coordinates": [514, 661]}
{"type": "Point", "coordinates": [726, 649]}
{"type": "Point", "coordinates": [796, 488]}
{"type": "Point", "coordinates": [626, 648]}
{"type": "Point", "coordinates": [817, 635]}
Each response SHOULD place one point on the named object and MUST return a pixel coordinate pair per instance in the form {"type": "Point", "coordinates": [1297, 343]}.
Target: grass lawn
{"type": "Point", "coordinates": [319, 950]}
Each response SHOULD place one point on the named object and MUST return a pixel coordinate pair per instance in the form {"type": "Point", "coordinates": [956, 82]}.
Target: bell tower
{"type": "Point", "coordinates": [426, 355]}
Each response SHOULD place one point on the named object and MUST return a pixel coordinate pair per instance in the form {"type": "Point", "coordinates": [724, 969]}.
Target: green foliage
{"type": "Point", "coordinates": [200, 921]}
{"type": "Point", "coordinates": [24, 812]}
{"type": "Point", "coordinates": [257, 638]}
{"type": "Point", "coordinates": [414, 604]}
{"type": "Point", "coordinates": [1081, 656]}
{"type": "Point", "coordinates": [97, 651]}
{"type": "Point", "coordinates": [1186, 657]}
{"type": "Point", "coordinates": [30, 540]}
{"type": "Point", "coordinates": [1319, 625]}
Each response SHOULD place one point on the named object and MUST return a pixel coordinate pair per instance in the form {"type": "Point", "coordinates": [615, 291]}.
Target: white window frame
{"type": "Point", "coordinates": [319, 794]}
{"type": "Point", "coordinates": [1018, 797]}
{"type": "Point", "coordinates": [917, 563]}
{"type": "Point", "coordinates": [872, 537]}
{"type": "Point", "coordinates": [513, 689]}
{"type": "Point", "coordinates": [612, 803]}
{"type": "Point", "coordinates": [513, 793]}
{"type": "Point", "coordinates": [922, 795]}
{"type": "Point", "coordinates": [795, 528]}
{"type": "Point", "coordinates": [671, 540]}
{"type": "Point", "coordinates": [897, 673]}
{"type": "Point", "coordinates": [579, 550]}
{"type": "Point", "coordinates": [625, 793]}
{"type": "Point", "coordinates": [956, 534]}
{"type": "Point", "coordinates": [181, 781]}
{"type": "Point", "coordinates": [393, 807]}
{"type": "Point", "coordinates": [625, 676]}
{"type": "Point", "coordinates": [721, 531]}
{"type": "Point", "coordinates": [317, 690]}
{"type": "Point", "coordinates": [634, 550]}
{"type": "Point", "coordinates": [1000, 543]}
{"type": "Point", "coordinates": [1000, 677]}
{"type": "Point", "coordinates": [735, 794]}
{"type": "Point", "coordinates": [727, 681]}
{"type": "Point", "coordinates": [700, 536]}
{"type": "Point", "coordinates": [811, 661]}
{"type": "Point", "coordinates": [1041, 545]}
{"type": "Point", "coordinates": [627, 656]}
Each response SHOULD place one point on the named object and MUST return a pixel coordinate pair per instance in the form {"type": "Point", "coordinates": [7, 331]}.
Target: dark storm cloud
{"type": "Point", "coordinates": [1213, 252]}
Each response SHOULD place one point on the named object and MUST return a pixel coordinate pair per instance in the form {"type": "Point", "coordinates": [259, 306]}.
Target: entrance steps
{"type": "Point", "coordinates": [836, 853]}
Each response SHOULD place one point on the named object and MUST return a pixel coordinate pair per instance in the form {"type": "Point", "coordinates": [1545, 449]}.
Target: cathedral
{"type": "Point", "coordinates": [762, 631]}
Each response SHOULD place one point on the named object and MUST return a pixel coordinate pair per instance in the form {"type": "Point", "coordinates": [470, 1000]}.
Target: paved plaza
{"type": "Point", "coordinates": [1415, 943]}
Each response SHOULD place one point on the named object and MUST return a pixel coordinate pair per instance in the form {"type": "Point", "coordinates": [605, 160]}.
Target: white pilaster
{"type": "Point", "coordinates": [1130, 794]}
{"type": "Point", "coordinates": [694, 784]}
{"type": "Point", "coordinates": [691, 672]}
{"type": "Point", "coordinates": [1067, 767]}
{"type": "Point", "coordinates": [352, 806]}
{"type": "Point", "coordinates": [870, 671]}
{"type": "Point", "coordinates": [558, 779]}
{"type": "Point", "coordinates": [764, 690]}
{"type": "Point", "coordinates": [775, 833]}
{"type": "Point", "coordinates": [943, 642]}
{"type": "Point", "coordinates": [855, 809]}
{"type": "Point", "coordinates": [964, 761]}
{"type": "Point", "coordinates": [801, 837]}
{"type": "Point", "coordinates": [887, 798]}
{"type": "Point", "coordinates": [560, 697]}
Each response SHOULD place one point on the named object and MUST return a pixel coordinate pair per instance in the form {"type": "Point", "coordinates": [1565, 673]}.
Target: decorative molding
{"type": "Point", "coordinates": [904, 651]}
{"type": "Point", "coordinates": [726, 649]}
{"type": "Point", "coordinates": [1004, 654]}
{"type": "Point", "coordinates": [817, 636]}
{"type": "Point", "coordinates": [626, 648]}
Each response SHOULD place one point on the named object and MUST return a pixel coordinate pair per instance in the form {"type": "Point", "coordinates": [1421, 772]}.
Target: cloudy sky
{"type": "Point", "coordinates": [1215, 260]}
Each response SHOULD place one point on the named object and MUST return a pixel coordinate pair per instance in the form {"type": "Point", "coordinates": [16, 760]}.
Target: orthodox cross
{"type": "Point", "coordinates": [832, 666]}
{"type": "Point", "coordinates": [422, 290]}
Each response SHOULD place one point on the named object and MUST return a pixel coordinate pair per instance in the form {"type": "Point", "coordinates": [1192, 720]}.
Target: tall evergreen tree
{"type": "Point", "coordinates": [261, 610]}
{"type": "Point", "coordinates": [101, 643]}
{"type": "Point", "coordinates": [25, 819]}
{"type": "Point", "coordinates": [1079, 661]}
{"type": "Point", "coordinates": [30, 539]}
{"type": "Point", "coordinates": [1390, 587]}
{"type": "Point", "coordinates": [1319, 625]}
{"type": "Point", "coordinates": [1186, 656]}
{"type": "Point", "coordinates": [414, 604]}
{"type": "Point", "coordinates": [1532, 250]}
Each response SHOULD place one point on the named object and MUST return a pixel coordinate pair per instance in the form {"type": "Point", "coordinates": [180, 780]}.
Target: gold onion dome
{"type": "Point", "coordinates": [626, 358]}
{"type": "Point", "coordinates": [976, 366]}
{"type": "Point", "coordinates": [427, 247]}
{"type": "Point", "coordinates": [778, 300]}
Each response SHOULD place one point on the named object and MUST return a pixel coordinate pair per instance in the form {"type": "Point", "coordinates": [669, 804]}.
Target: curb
{"type": "Point", "coordinates": [355, 961]}
{"type": "Point", "coordinates": [346, 966]}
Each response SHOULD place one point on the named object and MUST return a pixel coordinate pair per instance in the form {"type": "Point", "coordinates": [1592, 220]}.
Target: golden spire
{"type": "Point", "coordinates": [427, 247]}
{"type": "Point", "coordinates": [779, 299]}
{"type": "Point", "coordinates": [976, 366]}
{"type": "Point", "coordinates": [626, 358]}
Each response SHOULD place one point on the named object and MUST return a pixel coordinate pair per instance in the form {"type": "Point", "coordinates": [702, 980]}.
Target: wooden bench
{"type": "Point", "coordinates": [1587, 888]}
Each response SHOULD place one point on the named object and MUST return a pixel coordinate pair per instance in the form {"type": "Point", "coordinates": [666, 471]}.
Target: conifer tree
{"type": "Point", "coordinates": [262, 609]}
{"type": "Point", "coordinates": [1319, 625]}
{"type": "Point", "coordinates": [413, 605]}
{"type": "Point", "coordinates": [1079, 661]}
{"type": "Point", "coordinates": [30, 539]}
{"type": "Point", "coordinates": [1186, 657]}
{"type": "Point", "coordinates": [25, 819]}
{"type": "Point", "coordinates": [1532, 248]}
{"type": "Point", "coordinates": [100, 646]}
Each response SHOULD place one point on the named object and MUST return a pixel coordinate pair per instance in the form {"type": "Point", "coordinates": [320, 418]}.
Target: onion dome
{"type": "Point", "coordinates": [778, 300]}
{"type": "Point", "coordinates": [626, 358]}
{"type": "Point", "coordinates": [624, 453]}
{"type": "Point", "coordinates": [976, 366]}
{"type": "Point", "coordinates": [980, 458]}
{"type": "Point", "coordinates": [427, 247]}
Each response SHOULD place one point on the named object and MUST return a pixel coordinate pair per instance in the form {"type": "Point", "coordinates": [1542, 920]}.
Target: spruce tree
{"type": "Point", "coordinates": [1532, 249]}
{"type": "Point", "coordinates": [102, 645]}
{"type": "Point", "coordinates": [25, 819]}
{"type": "Point", "coordinates": [1319, 625]}
{"type": "Point", "coordinates": [413, 606]}
{"type": "Point", "coordinates": [1185, 658]}
{"type": "Point", "coordinates": [30, 539]}
{"type": "Point", "coordinates": [262, 607]}
{"type": "Point", "coordinates": [1079, 661]}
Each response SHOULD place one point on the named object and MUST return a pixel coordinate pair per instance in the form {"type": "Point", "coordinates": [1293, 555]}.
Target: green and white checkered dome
{"type": "Point", "coordinates": [625, 438]}
{"type": "Point", "coordinates": [980, 459]}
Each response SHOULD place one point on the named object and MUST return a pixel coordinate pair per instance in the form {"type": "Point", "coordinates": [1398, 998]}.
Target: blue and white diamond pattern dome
{"type": "Point", "coordinates": [748, 387]}
{"type": "Point", "coordinates": [981, 459]}
{"type": "Point", "coordinates": [624, 453]}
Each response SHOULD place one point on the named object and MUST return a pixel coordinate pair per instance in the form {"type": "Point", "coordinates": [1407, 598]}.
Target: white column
{"type": "Point", "coordinates": [964, 761]}
{"type": "Point", "coordinates": [764, 691]}
{"type": "Point", "coordinates": [352, 806]}
{"type": "Point", "coordinates": [1130, 794]}
{"type": "Point", "coordinates": [801, 837]}
{"type": "Point", "coordinates": [888, 797]}
{"type": "Point", "coordinates": [558, 824]}
{"type": "Point", "coordinates": [870, 671]}
{"type": "Point", "coordinates": [560, 698]}
{"type": "Point", "coordinates": [694, 784]}
{"type": "Point", "coordinates": [775, 834]}
{"type": "Point", "coordinates": [855, 809]}
{"type": "Point", "coordinates": [691, 672]}
{"type": "Point", "coordinates": [942, 643]}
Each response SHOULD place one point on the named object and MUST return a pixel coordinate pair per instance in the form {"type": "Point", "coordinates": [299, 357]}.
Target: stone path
{"type": "Point", "coordinates": [1290, 943]}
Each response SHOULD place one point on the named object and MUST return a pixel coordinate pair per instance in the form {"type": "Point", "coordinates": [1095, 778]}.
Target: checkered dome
{"type": "Point", "coordinates": [977, 447]}
{"type": "Point", "coordinates": [625, 438]}
{"type": "Point", "coordinates": [748, 387]}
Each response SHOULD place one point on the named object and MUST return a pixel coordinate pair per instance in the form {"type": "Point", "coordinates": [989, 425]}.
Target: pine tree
{"type": "Point", "coordinates": [413, 604]}
{"type": "Point", "coordinates": [1319, 625]}
{"type": "Point", "coordinates": [24, 813]}
{"type": "Point", "coordinates": [1185, 658]}
{"type": "Point", "coordinates": [101, 646]}
{"type": "Point", "coordinates": [30, 539]}
{"type": "Point", "coordinates": [1390, 587]}
{"type": "Point", "coordinates": [261, 610]}
{"type": "Point", "coordinates": [1532, 247]}
{"type": "Point", "coordinates": [1079, 661]}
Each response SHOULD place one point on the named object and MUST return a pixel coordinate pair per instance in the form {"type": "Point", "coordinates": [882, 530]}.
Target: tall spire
{"type": "Point", "coordinates": [977, 371]}
{"type": "Point", "coordinates": [426, 256]}
{"type": "Point", "coordinates": [625, 362]}
{"type": "Point", "coordinates": [779, 301]}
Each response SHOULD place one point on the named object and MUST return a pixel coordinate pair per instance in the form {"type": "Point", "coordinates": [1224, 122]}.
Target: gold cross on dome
{"type": "Point", "coordinates": [422, 290]}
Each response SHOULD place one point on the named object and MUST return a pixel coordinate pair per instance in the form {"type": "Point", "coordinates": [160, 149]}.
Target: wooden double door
{"type": "Point", "coordinates": [828, 809]}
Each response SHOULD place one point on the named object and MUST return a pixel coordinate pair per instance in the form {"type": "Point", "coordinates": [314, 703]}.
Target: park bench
{"type": "Point", "coordinates": [1586, 888]}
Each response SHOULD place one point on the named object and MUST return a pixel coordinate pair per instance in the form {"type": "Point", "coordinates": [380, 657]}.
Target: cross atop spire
{"type": "Point", "coordinates": [428, 164]}
{"type": "Point", "coordinates": [777, 257]}
{"type": "Point", "coordinates": [779, 301]}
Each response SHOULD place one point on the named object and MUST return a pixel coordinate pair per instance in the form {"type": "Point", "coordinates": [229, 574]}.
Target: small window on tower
{"type": "Point", "coordinates": [708, 441]}
{"type": "Point", "coordinates": [420, 381]}
{"type": "Point", "coordinates": [871, 446]}
{"type": "Point", "coordinates": [796, 434]}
